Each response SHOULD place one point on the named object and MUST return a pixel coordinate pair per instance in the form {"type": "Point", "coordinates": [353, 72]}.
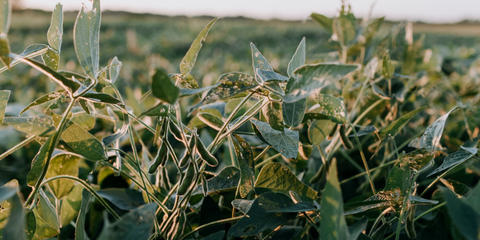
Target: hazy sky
{"type": "Point", "coordinates": [426, 10]}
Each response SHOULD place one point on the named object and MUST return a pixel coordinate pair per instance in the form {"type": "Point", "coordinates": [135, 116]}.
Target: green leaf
{"type": "Point", "coordinates": [30, 125]}
{"type": "Point", "coordinates": [229, 85]}
{"type": "Point", "coordinates": [393, 128]}
{"type": "Point", "coordinates": [5, 11]}
{"type": "Point", "coordinates": [319, 130]}
{"type": "Point", "coordinates": [227, 179]}
{"type": "Point", "coordinates": [456, 158]}
{"type": "Point", "coordinates": [70, 205]}
{"type": "Point", "coordinates": [51, 59]}
{"type": "Point", "coordinates": [101, 97]}
{"type": "Point", "coordinates": [328, 107]}
{"type": "Point", "coordinates": [159, 110]}
{"type": "Point", "coordinates": [266, 76]}
{"type": "Point", "coordinates": [62, 164]}
{"type": "Point", "coordinates": [463, 215]}
{"type": "Point", "coordinates": [114, 69]}
{"type": "Point", "coordinates": [298, 58]}
{"type": "Point", "coordinates": [80, 141]}
{"type": "Point", "coordinates": [333, 224]}
{"type": "Point", "coordinates": [314, 77]}
{"type": "Point", "coordinates": [245, 158]}
{"type": "Point", "coordinates": [43, 99]}
{"type": "Point", "coordinates": [188, 61]}
{"type": "Point", "coordinates": [211, 119]}
{"type": "Point", "coordinates": [46, 218]}
{"type": "Point", "coordinates": [55, 31]}
{"type": "Point", "coordinates": [163, 88]}
{"type": "Point", "coordinates": [86, 38]}
{"type": "Point", "coordinates": [80, 233]}
{"type": "Point", "coordinates": [258, 60]}
{"type": "Point", "coordinates": [40, 159]}
{"type": "Point", "coordinates": [278, 177]}
{"type": "Point", "coordinates": [430, 139]}
{"type": "Point", "coordinates": [135, 225]}
{"type": "Point", "coordinates": [473, 198]}
{"type": "Point", "coordinates": [259, 218]}
{"type": "Point", "coordinates": [123, 198]}
{"type": "Point", "coordinates": [274, 115]}
{"type": "Point", "coordinates": [4, 96]}
{"type": "Point", "coordinates": [294, 112]}
{"type": "Point", "coordinates": [323, 20]}
{"type": "Point", "coordinates": [285, 142]}
{"type": "Point", "coordinates": [6, 193]}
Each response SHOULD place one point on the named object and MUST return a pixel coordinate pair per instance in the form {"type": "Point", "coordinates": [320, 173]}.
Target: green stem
{"type": "Point", "coordinates": [17, 147]}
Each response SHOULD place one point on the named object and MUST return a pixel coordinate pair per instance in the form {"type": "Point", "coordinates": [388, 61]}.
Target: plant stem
{"type": "Point", "coordinates": [226, 220]}
{"type": "Point", "coordinates": [17, 147]}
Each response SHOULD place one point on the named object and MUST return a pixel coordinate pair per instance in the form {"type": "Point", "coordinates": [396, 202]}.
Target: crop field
{"type": "Point", "coordinates": [116, 125]}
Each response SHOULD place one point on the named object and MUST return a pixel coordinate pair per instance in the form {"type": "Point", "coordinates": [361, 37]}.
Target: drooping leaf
{"type": "Point", "coordinates": [314, 77]}
{"type": "Point", "coordinates": [86, 38]}
{"type": "Point", "coordinates": [245, 158]}
{"type": "Point", "coordinates": [333, 225]}
{"type": "Point", "coordinates": [278, 177]}
{"type": "Point", "coordinates": [456, 158]}
{"type": "Point", "coordinates": [163, 88]}
{"type": "Point", "coordinates": [285, 142]}
{"type": "Point", "coordinates": [393, 128]}
{"type": "Point", "coordinates": [294, 112]}
{"type": "Point", "coordinates": [298, 58]}
{"type": "Point", "coordinates": [323, 20]}
{"type": "Point", "coordinates": [80, 233]}
{"type": "Point", "coordinates": [188, 61]}
{"type": "Point", "coordinates": [463, 216]}
{"type": "Point", "coordinates": [135, 225]}
{"type": "Point", "coordinates": [4, 96]}
{"type": "Point", "coordinates": [328, 107]}
{"type": "Point", "coordinates": [430, 139]}
{"type": "Point", "coordinates": [43, 99]}
{"type": "Point", "coordinates": [229, 85]}
{"type": "Point", "coordinates": [123, 198]}
{"type": "Point", "coordinates": [62, 164]}
{"type": "Point", "coordinates": [5, 11]}
{"type": "Point", "coordinates": [114, 69]}
{"type": "Point", "coordinates": [80, 141]}
{"type": "Point", "coordinates": [258, 60]}
{"type": "Point", "coordinates": [259, 218]}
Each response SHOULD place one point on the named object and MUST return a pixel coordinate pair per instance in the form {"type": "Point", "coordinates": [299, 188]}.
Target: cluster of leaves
{"type": "Point", "coordinates": [257, 155]}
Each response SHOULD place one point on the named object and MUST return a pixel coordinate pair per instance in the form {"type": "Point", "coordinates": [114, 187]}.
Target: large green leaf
{"type": "Point", "coordinates": [163, 88]}
{"type": "Point", "coordinates": [473, 198]}
{"type": "Point", "coordinates": [230, 85]}
{"type": "Point", "coordinates": [260, 218]}
{"type": "Point", "coordinates": [80, 141]}
{"type": "Point", "coordinates": [294, 112]}
{"type": "Point", "coordinates": [258, 60]}
{"type": "Point", "coordinates": [86, 38]}
{"type": "Point", "coordinates": [188, 61]}
{"type": "Point", "coordinates": [393, 128]}
{"type": "Point", "coordinates": [328, 107]}
{"type": "Point", "coordinates": [30, 125]}
{"type": "Point", "coordinates": [135, 225]}
{"type": "Point", "coordinates": [333, 225]}
{"type": "Point", "coordinates": [227, 179]}
{"type": "Point", "coordinates": [285, 142]}
{"type": "Point", "coordinates": [278, 177]}
{"type": "Point", "coordinates": [298, 58]}
{"type": "Point", "coordinates": [70, 205]}
{"type": "Point", "coordinates": [430, 139]}
{"type": "Point", "coordinates": [62, 164]}
{"type": "Point", "coordinates": [46, 218]}
{"type": "Point", "coordinates": [273, 114]}
{"type": "Point", "coordinates": [55, 31]}
{"type": "Point", "coordinates": [319, 130]}
{"type": "Point", "coordinates": [43, 99]}
{"type": "Point", "coordinates": [4, 96]}
{"type": "Point", "coordinates": [123, 198]}
{"type": "Point", "coordinates": [463, 216]}
{"type": "Point", "coordinates": [314, 77]}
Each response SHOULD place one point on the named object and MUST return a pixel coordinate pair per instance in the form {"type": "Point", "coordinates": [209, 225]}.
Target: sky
{"type": "Point", "coordinates": [438, 11]}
